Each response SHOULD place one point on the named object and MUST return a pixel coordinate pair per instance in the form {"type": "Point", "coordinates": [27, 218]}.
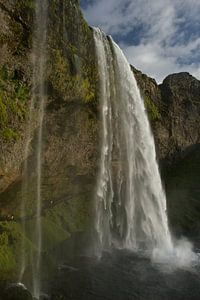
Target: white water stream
{"type": "Point", "coordinates": [37, 100]}
{"type": "Point", "coordinates": [130, 201]}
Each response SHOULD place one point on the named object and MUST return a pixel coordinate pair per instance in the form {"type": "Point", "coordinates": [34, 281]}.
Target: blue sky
{"type": "Point", "coordinates": [159, 37]}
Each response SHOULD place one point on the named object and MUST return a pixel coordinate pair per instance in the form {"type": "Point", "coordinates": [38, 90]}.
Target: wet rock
{"type": "Point", "coordinates": [44, 297]}
{"type": "Point", "coordinates": [183, 191]}
{"type": "Point", "coordinates": [17, 292]}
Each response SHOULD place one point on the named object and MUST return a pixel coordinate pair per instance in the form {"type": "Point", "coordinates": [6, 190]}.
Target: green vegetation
{"type": "Point", "coordinates": [10, 134]}
{"type": "Point", "coordinates": [25, 4]}
{"type": "Point", "coordinates": [63, 219]}
{"type": "Point", "coordinates": [21, 91]}
{"type": "Point", "coordinates": [152, 109]}
{"type": "Point", "coordinates": [71, 84]}
{"type": "Point", "coordinates": [88, 91]}
{"type": "Point", "coordinates": [9, 248]}
{"type": "Point", "coordinates": [72, 74]}
{"type": "Point", "coordinates": [58, 223]}
{"type": "Point", "coordinates": [7, 261]}
{"type": "Point", "coordinates": [14, 95]}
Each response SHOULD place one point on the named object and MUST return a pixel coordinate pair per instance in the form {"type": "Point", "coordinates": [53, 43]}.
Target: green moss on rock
{"type": "Point", "coordinates": [152, 109]}
{"type": "Point", "coordinates": [14, 96]}
{"type": "Point", "coordinates": [58, 223]}
{"type": "Point", "coordinates": [74, 83]}
{"type": "Point", "coordinates": [64, 219]}
{"type": "Point", "coordinates": [10, 134]}
{"type": "Point", "coordinates": [10, 236]}
{"type": "Point", "coordinates": [25, 4]}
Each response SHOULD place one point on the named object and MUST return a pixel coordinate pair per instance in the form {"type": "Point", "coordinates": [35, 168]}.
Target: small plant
{"type": "Point", "coordinates": [88, 91]}
{"type": "Point", "coordinates": [21, 91]}
{"type": "Point", "coordinates": [10, 134]}
{"type": "Point", "coordinates": [152, 109]}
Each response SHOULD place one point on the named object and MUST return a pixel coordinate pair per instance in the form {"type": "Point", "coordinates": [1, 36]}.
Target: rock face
{"type": "Point", "coordinates": [71, 91]}
{"type": "Point", "coordinates": [174, 110]}
{"type": "Point", "coordinates": [71, 122]}
{"type": "Point", "coordinates": [16, 292]}
{"type": "Point", "coordinates": [181, 96]}
{"type": "Point", "coordinates": [70, 142]}
{"type": "Point", "coordinates": [15, 78]}
{"type": "Point", "coordinates": [183, 192]}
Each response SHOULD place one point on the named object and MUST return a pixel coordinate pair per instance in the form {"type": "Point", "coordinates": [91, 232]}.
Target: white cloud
{"type": "Point", "coordinates": [158, 61]}
{"type": "Point", "coordinates": [170, 40]}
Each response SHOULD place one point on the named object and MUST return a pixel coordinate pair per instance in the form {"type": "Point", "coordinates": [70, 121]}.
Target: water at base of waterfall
{"type": "Point", "coordinates": [123, 275]}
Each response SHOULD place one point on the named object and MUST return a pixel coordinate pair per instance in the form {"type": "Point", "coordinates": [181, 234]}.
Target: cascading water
{"type": "Point", "coordinates": [130, 201]}
{"type": "Point", "coordinates": [37, 100]}
{"type": "Point", "coordinates": [42, 35]}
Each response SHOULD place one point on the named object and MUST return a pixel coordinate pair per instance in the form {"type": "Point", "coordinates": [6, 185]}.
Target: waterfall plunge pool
{"type": "Point", "coordinates": [123, 275]}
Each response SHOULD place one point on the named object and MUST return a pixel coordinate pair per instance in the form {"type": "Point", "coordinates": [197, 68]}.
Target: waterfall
{"type": "Point", "coordinates": [41, 12]}
{"type": "Point", "coordinates": [130, 201]}
{"type": "Point", "coordinates": [38, 102]}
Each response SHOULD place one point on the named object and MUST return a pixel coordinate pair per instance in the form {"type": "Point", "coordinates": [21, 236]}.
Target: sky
{"type": "Point", "coordinates": [158, 37]}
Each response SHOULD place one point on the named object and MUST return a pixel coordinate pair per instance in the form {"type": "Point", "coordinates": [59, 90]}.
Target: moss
{"type": "Point", "coordinates": [58, 223]}
{"type": "Point", "coordinates": [62, 220]}
{"type": "Point", "coordinates": [71, 86]}
{"type": "Point", "coordinates": [21, 91]}
{"type": "Point", "coordinates": [14, 97]}
{"type": "Point", "coordinates": [54, 229]}
{"type": "Point", "coordinates": [72, 54]}
{"type": "Point", "coordinates": [152, 109]}
{"type": "Point", "coordinates": [10, 236]}
{"type": "Point", "coordinates": [7, 261]}
{"type": "Point", "coordinates": [60, 71]}
{"type": "Point", "coordinates": [10, 134]}
{"type": "Point", "coordinates": [89, 83]}
{"type": "Point", "coordinates": [73, 49]}
{"type": "Point", "coordinates": [24, 4]}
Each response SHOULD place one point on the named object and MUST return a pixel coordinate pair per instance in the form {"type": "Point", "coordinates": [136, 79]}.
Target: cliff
{"type": "Point", "coordinates": [70, 126]}
{"type": "Point", "coordinates": [174, 111]}
{"type": "Point", "coordinates": [71, 123]}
